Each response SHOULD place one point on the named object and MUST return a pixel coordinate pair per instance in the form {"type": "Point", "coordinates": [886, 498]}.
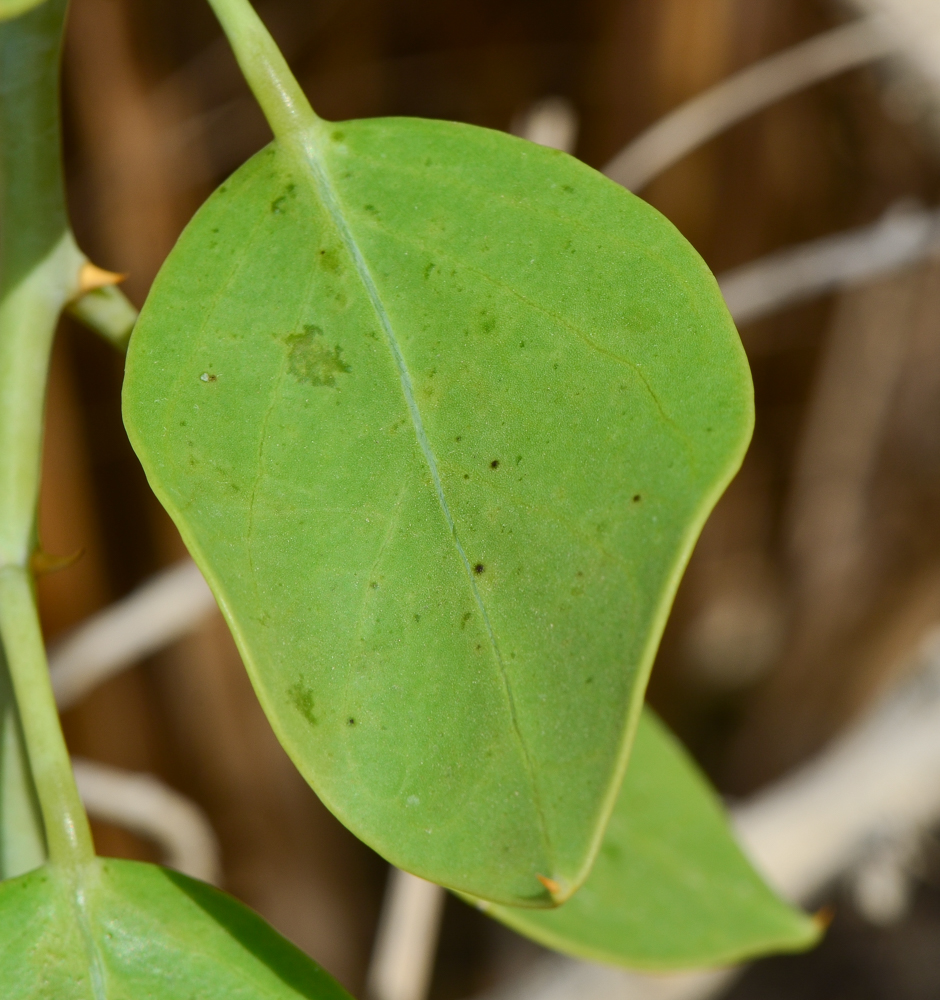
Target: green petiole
{"type": "Point", "coordinates": [283, 102]}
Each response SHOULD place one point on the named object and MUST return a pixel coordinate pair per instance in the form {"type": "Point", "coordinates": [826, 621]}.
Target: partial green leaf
{"type": "Point", "coordinates": [670, 888]}
{"type": "Point", "coordinates": [440, 414]}
{"type": "Point", "coordinates": [126, 930]}
{"type": "Point", "coordinates": [13, 8]}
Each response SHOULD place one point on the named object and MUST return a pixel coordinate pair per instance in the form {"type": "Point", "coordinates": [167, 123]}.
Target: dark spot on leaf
{"type": "Point", "coordinates": [371, 208]}
{"type": "Point", "coordinates": [350, 721]}
{"type": "Point", "coordinates": [479, 568]}
{"type": "Point", "coordinates": [312, 360]}
{"type": "Point", "coordinates": [518, 459]}
{"type": "Point", "coordinates": [302, 699]}
{"type": "Point", "coordinates": [277, 206]}
{"type": "Point", "coordinates": [467, 615]}
{"type": "Point", "coordinates": [329, 260]}
{"type": "Point", "coordinates": [427, 270]}
{"type": "Point", "coordinates": [488, 323]}
{"type": "Point", "coordinates": [417, 618]}
{"type": "Point", "coordinates": [494, 464]}
{"type": "Point", "coordinates": [522, 343]}
{"type": "Point", "coordinates": [374, 585]}
{"type": "Point", "coordinates": [567, 188]}
{"type": "Point", "coordinates": [458, 438]}
{"type": "Point", "coordinates": [338, 136]}
{"type": "Point", "coordinates": [207, 377]}
{"type": "Point", "coordinates": [466, 475]}
{"type": "Point", "coordinates": [637, 498]}
{"type": "Point", "coordinates": [589, 680]}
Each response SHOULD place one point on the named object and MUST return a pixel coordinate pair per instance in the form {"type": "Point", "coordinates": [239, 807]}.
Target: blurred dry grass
{"type": "Point", "coordinates": [819, 570]}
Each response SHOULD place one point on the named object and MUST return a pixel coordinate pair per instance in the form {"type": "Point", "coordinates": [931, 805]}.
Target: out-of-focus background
{"type": "Point", "coordinates": [816, 579]}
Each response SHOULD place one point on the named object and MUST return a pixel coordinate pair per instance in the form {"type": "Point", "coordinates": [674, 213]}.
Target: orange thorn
{"type": "Point", "coordinates": [42, 563]}
{"type": "Point", "coordinates": [553, 887]}
{"type": "Point", "coordinates": [823, 917]}
{"type": "Point", "coordinates": [91, 277]}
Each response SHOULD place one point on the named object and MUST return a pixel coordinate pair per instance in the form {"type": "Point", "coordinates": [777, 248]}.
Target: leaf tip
{"type": "Point", "coordinates": [555, 889]}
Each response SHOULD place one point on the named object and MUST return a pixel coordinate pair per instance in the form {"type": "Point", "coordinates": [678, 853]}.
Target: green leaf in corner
{"type": "Point", "coordinates": [122, 929]}
{"type": "Point", "coordinates": [440, 414]}
{"type": "Point", "coordinates": [13, 8]}
{"type": "Point", "coordinates": [670, 888]}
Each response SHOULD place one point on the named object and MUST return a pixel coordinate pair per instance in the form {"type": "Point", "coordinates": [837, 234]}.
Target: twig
{"type": "Point", "coordinates": [880, 779]}
{"type": "Point", "coordinates": [141, 803]}
{"type": "Point", "coordinates": [744, 93]}
{"type": "Point", "coordinates": [903, 236]}
{"type": "Point", "coordinates": [403, 958]}
{"type": "Point", "coordinates": [915, 24]}
{"type": "Point", "coordinates": [552, 122]}
{"type": "Point", "coordinates": [165, 608]}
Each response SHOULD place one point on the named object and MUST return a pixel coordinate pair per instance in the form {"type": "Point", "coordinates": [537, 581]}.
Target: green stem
{"type": "Point", "coordinates": [68, 835]}
{"type": "Point", "coordinates": [108, 312]}
{"type": "Point", "coordinates": [277, 91]}
{"type": "Point", "coordinates": [40, 262]}
{"type": "Point", "coordinates": [39, 274]}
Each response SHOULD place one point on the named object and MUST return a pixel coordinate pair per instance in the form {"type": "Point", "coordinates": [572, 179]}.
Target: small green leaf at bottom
{"type": "Point", "coordinates": [670, 888]}
{"type": "Point", "coordinates": [125, 930]}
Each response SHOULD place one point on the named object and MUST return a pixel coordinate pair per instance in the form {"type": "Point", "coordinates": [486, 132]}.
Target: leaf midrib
{"type": "Point", "coordinates": [330, 200]}
{"type": "Point", "coordinates": [77, 885]}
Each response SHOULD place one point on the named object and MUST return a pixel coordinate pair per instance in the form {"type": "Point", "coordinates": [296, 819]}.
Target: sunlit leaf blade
{"type": "Point", "coordinates": [440, 414]}
{"type": "Point", "coordinates": [123, 930]}
{"type": "Point", "coordinates": [670, 888]}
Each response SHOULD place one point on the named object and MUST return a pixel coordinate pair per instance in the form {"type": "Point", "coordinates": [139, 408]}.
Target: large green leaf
{"type": "Point", "coordinates": [123, 930]}
{"type": "Point", "coordinates": [670, 888]}
{"type": "Point", "coordinates": [440, 414]}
